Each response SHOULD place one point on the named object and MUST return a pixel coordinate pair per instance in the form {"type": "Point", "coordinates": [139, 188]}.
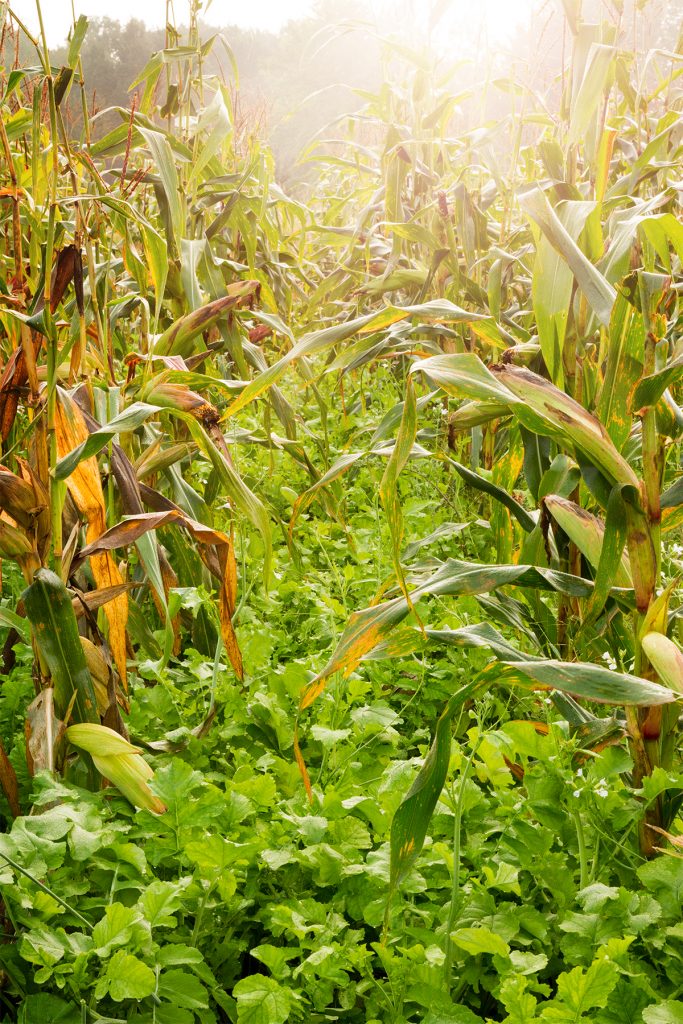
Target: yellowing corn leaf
{"type": "Point", "coordinates": [86, 490]}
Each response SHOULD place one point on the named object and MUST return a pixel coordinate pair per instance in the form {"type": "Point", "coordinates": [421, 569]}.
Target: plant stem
{"type": "Point", "coordinates": [455, 876]}
{"type": "Point", "coordinates": [583, 857]}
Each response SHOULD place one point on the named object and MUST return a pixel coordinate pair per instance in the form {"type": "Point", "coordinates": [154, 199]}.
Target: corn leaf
{"type": "Point", "coordinates": [598, 291]}
{"type": "Point", "coordinates": [55, 630]}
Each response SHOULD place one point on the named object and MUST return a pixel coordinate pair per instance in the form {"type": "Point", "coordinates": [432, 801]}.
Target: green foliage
{"type": "Point", "coordinates": [346, 509]}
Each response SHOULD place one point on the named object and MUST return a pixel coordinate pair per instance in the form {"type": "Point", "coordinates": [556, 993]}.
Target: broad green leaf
{"type": "Point", "coordinates": [582, 991]}
{"type": "Point", "coordinates": [181, 988]}
{"type": "Point", "coordinates": [261, 1000]}
{"type": "Point", "coordinates": [480, 940]}
{"type": "Point", "coordinates": [214, 854]}
{"type": "Point", "coordinates": [114, 929]}
{"type": "Point", "coordinates": [159, 902]}
{"type": "Point", "coordinates": [126, 977]}
{"type": "Point", "coordinates": [668, 1012]}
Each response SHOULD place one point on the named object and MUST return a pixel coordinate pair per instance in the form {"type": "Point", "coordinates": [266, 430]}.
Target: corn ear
{"type": "Point", "coordinates": [666, 658]}
{"type": "Point", "coordinates": [179, 336]}
{"type": "Point", "coordinates": [119, 762]}
{"type": "Point", "coordinates": [180, 398]}
{"type": "Point", "coordinates": [18, 498]}
{"type": "Point", "coordinates": [472, 414]}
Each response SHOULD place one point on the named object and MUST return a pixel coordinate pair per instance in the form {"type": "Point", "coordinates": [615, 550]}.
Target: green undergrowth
{"type": "Point", "coordinates": [245, 902]}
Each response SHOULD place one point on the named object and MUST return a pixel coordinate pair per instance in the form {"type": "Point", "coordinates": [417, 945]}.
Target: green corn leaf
{"type": "Point", "coordinates": [524, 518]}
{"type": "Point", "coordinates": [178, 338]}
{"type": "Point", "coordinates": [367, 628]}
{"type": "Point", "coordinates": [76, 42]}
{"type": "Point", "coordinates": [215, 122]}
{"type": "Point", "coordinates": [598, 291]}
{"type": "Point", "coordinates": [543, 407]}
{"type": "Point", "coordinates": [624, 367]}
{"type": "Point", "coordinates": [536, 459]}
{"type": "Point", "coordinates": [596, 78]}
{"type": "Point", "coordinates": [650, 389]}
{"type": "Point", "coordinates": [613, 564]}
{"type": "Point", "coordinates": [589, 682]}
{"type": "Point", "coordinates": [162, 154]}
{"type": "Point", "coordinates": [411, 820]}
{"type": "Point", "coordinates": [561, 477]}
{"type": "Point", "coordinates": [238, 492]}
{"type": "Point", "coordinates": [463, 375]}
{"type": "Point", "coordinates": [551, 288]}
{"type": "Point", "coordinates": [55, 630]}
{"type": "Point", "coordinates": [10, 620]}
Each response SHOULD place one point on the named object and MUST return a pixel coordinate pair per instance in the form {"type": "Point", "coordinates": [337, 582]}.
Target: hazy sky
{"type": "Point", "coordinates": [501, 15]}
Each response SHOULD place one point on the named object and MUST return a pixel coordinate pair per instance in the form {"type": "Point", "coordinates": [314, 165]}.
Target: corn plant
{"type": "Point", "coordinates": [113, 305]}
{"type": "Point", "coordinates": [579, 419]}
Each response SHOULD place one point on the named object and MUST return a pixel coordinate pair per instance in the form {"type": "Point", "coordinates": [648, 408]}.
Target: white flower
{"type": "Point", "coordinates": [579, 772]}
{"type": "Point", "coordinates": [576, 793]}
{"type": "Point", "coordinates": [601, 791]}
